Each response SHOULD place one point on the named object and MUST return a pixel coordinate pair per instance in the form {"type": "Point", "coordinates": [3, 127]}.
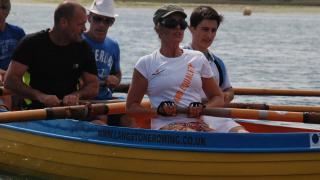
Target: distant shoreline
{"type": "Point", "coordinates": [262, 6]}
{"type": "Point", "coordinates": [243, 2]}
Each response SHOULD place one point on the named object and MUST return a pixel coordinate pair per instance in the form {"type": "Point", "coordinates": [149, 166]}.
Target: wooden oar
{"type": "Point", "coordinates": [236, 105]}
{"type": "Point", "coordinates": [123, 88]}
{"type": "Point", "coordinates": [274, 107]}
{"type": "Point", "coordinates": [276, 92]}
{"type": "Point", "coordinates": [80, 112]}
{"type": "Point", "coordinates": [83, 112]}
{"type": "Point", "coordinates": [304, 117]}
{"type": "Point", "coordinates": [101, 101]}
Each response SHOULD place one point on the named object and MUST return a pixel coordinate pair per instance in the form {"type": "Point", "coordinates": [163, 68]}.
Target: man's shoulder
{"type": "Point", "coordinates": [111, 41]}
{"type": "Point", "coordinates": [216, 58]}
{"type": "Point", "coordinates": [16, 30]}
{"type": "Point", "coordinates": [192, 52]}
{"type": "Point", "coordinates": [37, 35]}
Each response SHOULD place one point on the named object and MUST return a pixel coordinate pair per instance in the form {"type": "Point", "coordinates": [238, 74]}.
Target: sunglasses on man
{"type": "Point", "coordinates": [173, 23]}
{"type": "Point", "coordinates": [106, 20]}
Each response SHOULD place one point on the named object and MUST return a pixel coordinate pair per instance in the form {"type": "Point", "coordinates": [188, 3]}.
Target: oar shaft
{"type": "Point", "coordinates": [80, 112]}
{"type": "Point", "coordinates": [123, 88]}
{"type": "Point", "coordinates": [251, 91]}
{"type": "Point", "coordinates": [15, 116]}
{"type": "Point", "coordinates": [101, 101]}
{"type": "Point", "coordinates": [264, 115]}
{"type": "Point", "coordinates": [294, 108]}
{"type": "Point", "coordinates": [260, 114]}
{"type": "Point", "coordinates": [274, 107]}
{"type": "Point", "coordinates": [276, 92]}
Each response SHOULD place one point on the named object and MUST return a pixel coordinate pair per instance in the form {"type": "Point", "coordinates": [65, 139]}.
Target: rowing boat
{"type": "Point", "coordinates": [68, 149]}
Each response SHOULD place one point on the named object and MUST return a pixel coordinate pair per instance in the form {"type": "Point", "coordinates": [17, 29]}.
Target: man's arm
{"type": "Point", "coordinates": [13, 82]}
{"type": "Point", "coordinates": [90, 86]}
{"type": "Point", "coordinates": [228, 95]}
{"type": "Point", "coordinates": [113, 80]}
{"type": "Point", "coordinates": [2, 74]}
{"type": "Point", "coordinates": [88, 90]}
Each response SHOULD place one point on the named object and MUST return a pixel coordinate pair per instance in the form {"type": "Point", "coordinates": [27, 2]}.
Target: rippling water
{"type": "Point", "coordinates": [264, 50]}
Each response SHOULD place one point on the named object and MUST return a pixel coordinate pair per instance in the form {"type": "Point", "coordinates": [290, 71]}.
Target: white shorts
{"type": "Point", "coordinates": [222, 125]}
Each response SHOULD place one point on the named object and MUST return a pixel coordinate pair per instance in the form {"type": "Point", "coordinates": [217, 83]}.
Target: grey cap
{"type": "Point", "coordinates": [167, 10]}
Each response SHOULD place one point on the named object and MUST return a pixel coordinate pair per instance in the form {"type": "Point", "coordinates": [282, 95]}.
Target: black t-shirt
{"type": "Point", "coordinates": [54, 69]}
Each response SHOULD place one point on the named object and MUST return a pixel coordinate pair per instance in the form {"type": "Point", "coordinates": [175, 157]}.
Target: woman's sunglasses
{"type": "Point", "coordinates": [107, 21]}
{"type": "Point", "coordinates": [173, 23]}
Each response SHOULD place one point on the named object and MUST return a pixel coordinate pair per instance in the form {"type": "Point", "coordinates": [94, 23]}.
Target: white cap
{"type": "Point", "coordinates": [103, 8]}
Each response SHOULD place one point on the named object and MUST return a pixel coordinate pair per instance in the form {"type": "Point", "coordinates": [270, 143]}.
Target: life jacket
{"type": "Point", "coordinates": [220, 65]}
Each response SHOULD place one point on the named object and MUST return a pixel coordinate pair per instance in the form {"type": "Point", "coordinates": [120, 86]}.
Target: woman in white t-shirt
{"type": "Point", "coordinates": [172, 77]}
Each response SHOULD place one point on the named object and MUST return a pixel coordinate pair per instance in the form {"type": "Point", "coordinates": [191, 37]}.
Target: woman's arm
{"type": "Point", "coordinates": [137, 90]}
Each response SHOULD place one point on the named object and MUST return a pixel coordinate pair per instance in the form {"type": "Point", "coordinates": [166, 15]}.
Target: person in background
{"type": "Point", "coordinates": [204, 23]}
{"type": "Point", "coordinates": [10, 35]}
{"type": "Point", "coordinates": [172, 77]}
{"type": "Point", "coordinates": [106, 50]}
{"type": "Point", "coordinates": [55, 58]}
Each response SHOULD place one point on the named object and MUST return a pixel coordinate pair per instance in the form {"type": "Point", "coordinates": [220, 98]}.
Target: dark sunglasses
{"type": "Point", "coordinates": [173, 23]}
{"type": "Point", "coordinates": [105, 20]}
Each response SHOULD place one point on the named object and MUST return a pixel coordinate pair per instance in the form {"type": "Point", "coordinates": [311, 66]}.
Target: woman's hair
{"type": "Point", "coordinates": [204, 12]}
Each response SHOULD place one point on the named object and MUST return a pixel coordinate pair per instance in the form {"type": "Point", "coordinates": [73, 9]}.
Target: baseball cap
{"type": "Point", "coordinates": [167, 10]}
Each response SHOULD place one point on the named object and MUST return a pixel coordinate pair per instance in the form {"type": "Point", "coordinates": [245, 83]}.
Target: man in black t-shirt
{"type": "Point", "coordinates": [55, 58]}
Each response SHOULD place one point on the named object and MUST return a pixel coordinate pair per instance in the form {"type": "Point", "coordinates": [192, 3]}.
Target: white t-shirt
{"type": "Point", "coordinates": [226, 82]}
{"type": "Point", "coordinates": [174, 79]}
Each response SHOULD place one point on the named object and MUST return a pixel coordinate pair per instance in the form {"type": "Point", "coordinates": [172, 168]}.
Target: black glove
{"type": "Point", "coordinates": [167, 108]}
{"type": "Point", "coordinates": [195, 109]}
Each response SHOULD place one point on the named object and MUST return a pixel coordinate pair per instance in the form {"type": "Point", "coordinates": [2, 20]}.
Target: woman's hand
{"type": "Point", "coordinates": [195, 109]}
{"type": "Point", "coordinates": [167, 108]}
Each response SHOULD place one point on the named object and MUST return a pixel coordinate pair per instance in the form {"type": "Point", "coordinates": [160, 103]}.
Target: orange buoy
{"type": "Point", "coordinates": [247, 11]}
